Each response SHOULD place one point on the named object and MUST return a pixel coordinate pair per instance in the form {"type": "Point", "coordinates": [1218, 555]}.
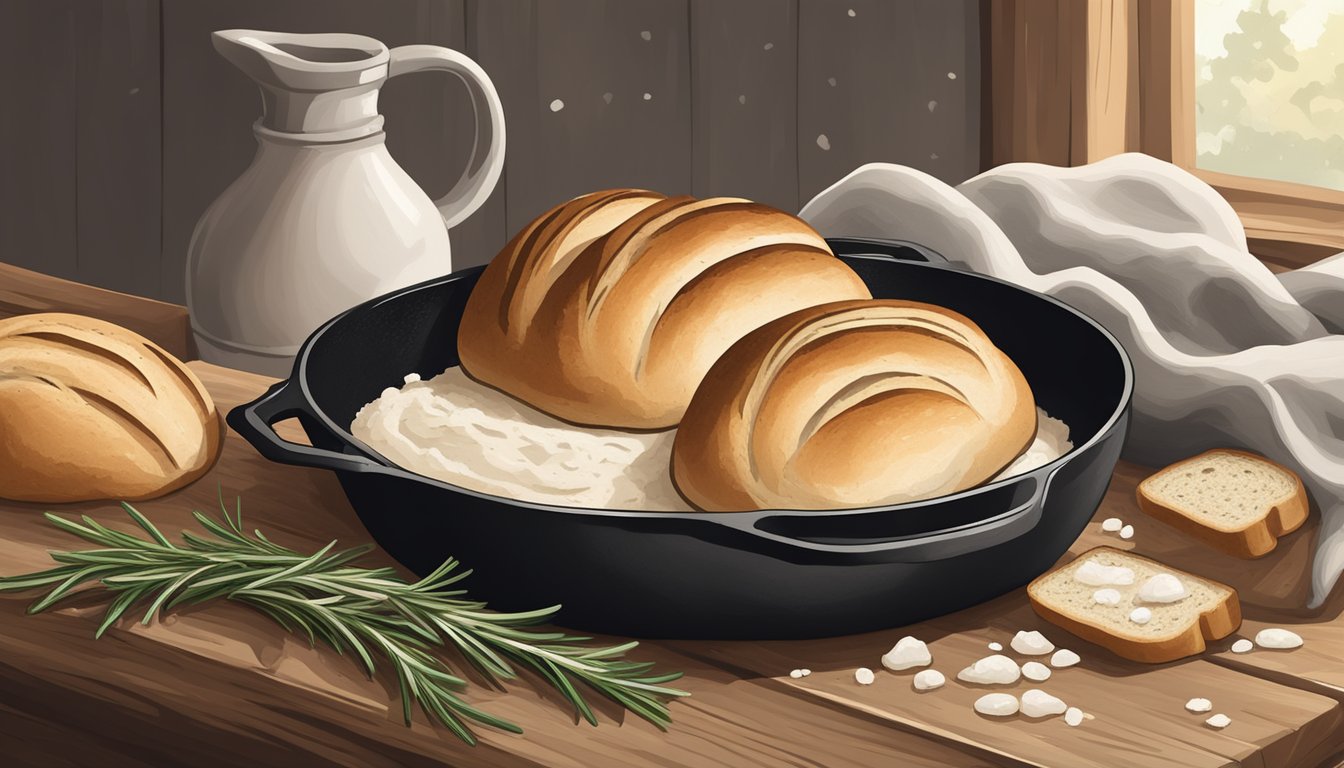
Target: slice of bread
{"type": "Point", "coordinates": [1209, 611]}
{"type": "Point", "coordinates": [1234, 501]}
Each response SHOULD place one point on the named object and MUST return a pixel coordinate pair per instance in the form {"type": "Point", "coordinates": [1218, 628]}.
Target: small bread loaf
{"type": "Point", "coordinates": [608, 309]}
{"type": "Point", "coordinates": [852, 404]}
{"type": "Point", "coordinates": [1235, 501]}
{"type": "Point", "coordinates": [90, 410]}
{"type": "Point", "coordinates": [1192, 613]}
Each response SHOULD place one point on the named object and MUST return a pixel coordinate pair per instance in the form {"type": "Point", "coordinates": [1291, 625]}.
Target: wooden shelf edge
{"type": "Point", "coordinates": [24, 292]}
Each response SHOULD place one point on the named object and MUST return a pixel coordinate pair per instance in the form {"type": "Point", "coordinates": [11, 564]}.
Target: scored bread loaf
{"type": "Point", "coordinates": [852, 404]}
{"type": "Point", "coordinates": [90, 410]}
{"type": "Point", "coordinates": [1235, 501]}
{"type": "Point", "coordinates": [1171, 629]}
{"type": "Point", "coordinates": [608, 309]}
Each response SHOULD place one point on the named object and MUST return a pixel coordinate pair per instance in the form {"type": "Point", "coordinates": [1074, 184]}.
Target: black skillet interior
{"type": "Point", "coordinates": [768, 574]}
{"type": "Point", "coordinates": [1075, 374]}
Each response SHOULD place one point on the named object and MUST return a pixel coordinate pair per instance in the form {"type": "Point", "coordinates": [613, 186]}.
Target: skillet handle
{"type": "Point", "coordinates": [922, 548]}
{"type": "Point", "coordinates": [253, 421]}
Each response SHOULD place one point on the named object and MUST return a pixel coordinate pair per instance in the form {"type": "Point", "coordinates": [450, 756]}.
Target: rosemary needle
{"type": "Point", "coordinates": [368, 612]}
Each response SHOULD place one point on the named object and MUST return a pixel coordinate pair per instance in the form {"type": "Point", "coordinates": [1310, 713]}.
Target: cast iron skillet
{"type": "Point", "coordinates": [761, 574]}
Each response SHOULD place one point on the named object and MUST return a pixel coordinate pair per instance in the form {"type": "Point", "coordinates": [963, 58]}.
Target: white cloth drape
{"type": "Point", "coordinates": [1225, 353]}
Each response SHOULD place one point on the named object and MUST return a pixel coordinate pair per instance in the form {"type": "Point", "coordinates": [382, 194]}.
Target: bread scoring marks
{"type": "Point", "coordinates": [680, 268]}
{"type": "Point", "coordinates": [618, 255]}
{"type": "Point", "coordinates": [896, 316]}
{"type": "Point", "coordinates": [134, 428]}
{"type": "Point", "coordinates": [550, 245]}
{"type": "Point", "coordinates": [74, 339]}
{"type": "Point", "coordinates": [199, 398]}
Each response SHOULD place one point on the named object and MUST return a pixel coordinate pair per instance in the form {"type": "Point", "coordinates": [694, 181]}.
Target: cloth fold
{"type": "Point", "coordinates": [1225, 353]}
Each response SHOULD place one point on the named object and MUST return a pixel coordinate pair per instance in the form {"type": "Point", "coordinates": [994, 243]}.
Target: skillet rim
{"type": "Point", "coordinates": [733, 520]}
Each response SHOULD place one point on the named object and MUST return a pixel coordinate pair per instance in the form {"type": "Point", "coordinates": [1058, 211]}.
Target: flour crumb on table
{"type": "Point", "coordinates": [1279, 639]}
{"type": "Point", "coordinates": [996, 647]}
{"type": "Point", "coordinates": [1073, 716]}
{"type": "Point", "coordinates": [997, 704]}
{"type": "Point", "coordinates": [1035, 670]}
{"type": "Point", "coordinates": [864, 676]}
{"type": "Point", "coordinates": [1038, 703]}
{"type": "Point", "coordinates": [1064, 658]}
{"type": "Point", "coordinates": [1127, 532]}
{"type": "Point", "coordinates": [1112, 525]}
{"type": "Point", "coordinates": [907, 653]}
{"type": "Point", "coordinates": [992, 670]}
{"type": "Point", "coordinates": [1219, 721]}
{"type": "Point", "coordinates": [1243, 646]}
{"type": "Point", "coordinates": [1199, 705]}
{"type": "Point", "coordinates": [1031, 643]}
{"type": "Point", "coordinates": [929, 679]}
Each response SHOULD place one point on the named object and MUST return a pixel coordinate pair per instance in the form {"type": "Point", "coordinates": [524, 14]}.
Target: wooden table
{"type": "Point", "coordinates": [221, 685]}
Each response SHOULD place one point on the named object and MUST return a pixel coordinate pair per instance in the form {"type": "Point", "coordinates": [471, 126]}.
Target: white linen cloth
{"type": "Point", "coordinates": [1225, 353]}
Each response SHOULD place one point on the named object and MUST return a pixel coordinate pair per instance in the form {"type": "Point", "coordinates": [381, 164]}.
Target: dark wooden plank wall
{"type": "Point", "coordinates": [79, 140]}
{"type": "Point", "coordinates": [124, 124]}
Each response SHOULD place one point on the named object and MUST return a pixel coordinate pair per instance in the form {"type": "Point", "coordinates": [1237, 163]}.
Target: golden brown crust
{"type": "Point", "coordinates": [851, 404]}
{"type": "Point", "coordinates": [90, 410]}
{"type": "Point", "coordinates": [1258, 538]}
{"type": "Point", "coordinates": [1217, 622]}
{"type": "Point", "coordinates": [608, 309]}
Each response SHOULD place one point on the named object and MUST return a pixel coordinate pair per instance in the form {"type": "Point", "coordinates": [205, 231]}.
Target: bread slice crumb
{"type": "Point", "coordinates": [1173, 630]}
{"type": "Point", "coordinates": [1235, 501]}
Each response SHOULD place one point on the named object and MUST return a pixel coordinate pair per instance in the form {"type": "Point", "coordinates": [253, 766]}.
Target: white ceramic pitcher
{"type": "Point", "coordinates": [324, 219]}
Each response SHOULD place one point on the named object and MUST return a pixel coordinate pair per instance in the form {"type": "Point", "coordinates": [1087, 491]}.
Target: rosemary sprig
{"type": "Point", "coordinates": [364, 611]}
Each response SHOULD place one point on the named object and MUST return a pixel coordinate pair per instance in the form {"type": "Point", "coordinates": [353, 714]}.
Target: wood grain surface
{"type": "Point", "coordinates": [24, 291]}
{"type": "Point", "coordinates": [221, 685]}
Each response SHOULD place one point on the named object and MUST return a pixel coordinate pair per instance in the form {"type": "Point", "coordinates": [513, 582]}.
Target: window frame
{"type": "Point", "coordinates": [1074, 81]}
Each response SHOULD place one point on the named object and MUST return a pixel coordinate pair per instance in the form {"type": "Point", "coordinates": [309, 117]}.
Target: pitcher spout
{"type": "Point", "coordinates": [311, 83]}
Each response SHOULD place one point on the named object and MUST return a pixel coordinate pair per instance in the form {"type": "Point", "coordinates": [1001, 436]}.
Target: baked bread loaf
{"type": "Point", "coordinates": [1235, 501]}
{"type": "Point", "coordinates": [852, 404]}
{"type": "Point", "coordinates": [608, 309]}
{"type": "Point", "coordinates": [90, 410]}
{"type": "Point", "coordinates": [1178, 615]}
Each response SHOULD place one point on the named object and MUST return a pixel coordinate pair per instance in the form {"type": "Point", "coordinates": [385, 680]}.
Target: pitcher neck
{"type": "Point", "coordinates": [323, 116]}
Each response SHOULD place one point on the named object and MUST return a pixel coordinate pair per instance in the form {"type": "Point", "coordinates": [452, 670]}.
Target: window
{"type": "Point", "coordinates": [1246, 94]}
{"type": "Point", "coordinates": [1269, 89]}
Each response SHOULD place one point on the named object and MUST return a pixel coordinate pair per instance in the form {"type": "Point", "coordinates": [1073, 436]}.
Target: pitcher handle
{"type": "Point", "coordinates": [487, 152]}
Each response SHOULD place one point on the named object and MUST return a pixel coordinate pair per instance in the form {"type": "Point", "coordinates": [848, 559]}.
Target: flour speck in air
{"type": "Point", "coordinates": [557, 105]}
{"type": "Point", "coordinates": [824, 142]}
